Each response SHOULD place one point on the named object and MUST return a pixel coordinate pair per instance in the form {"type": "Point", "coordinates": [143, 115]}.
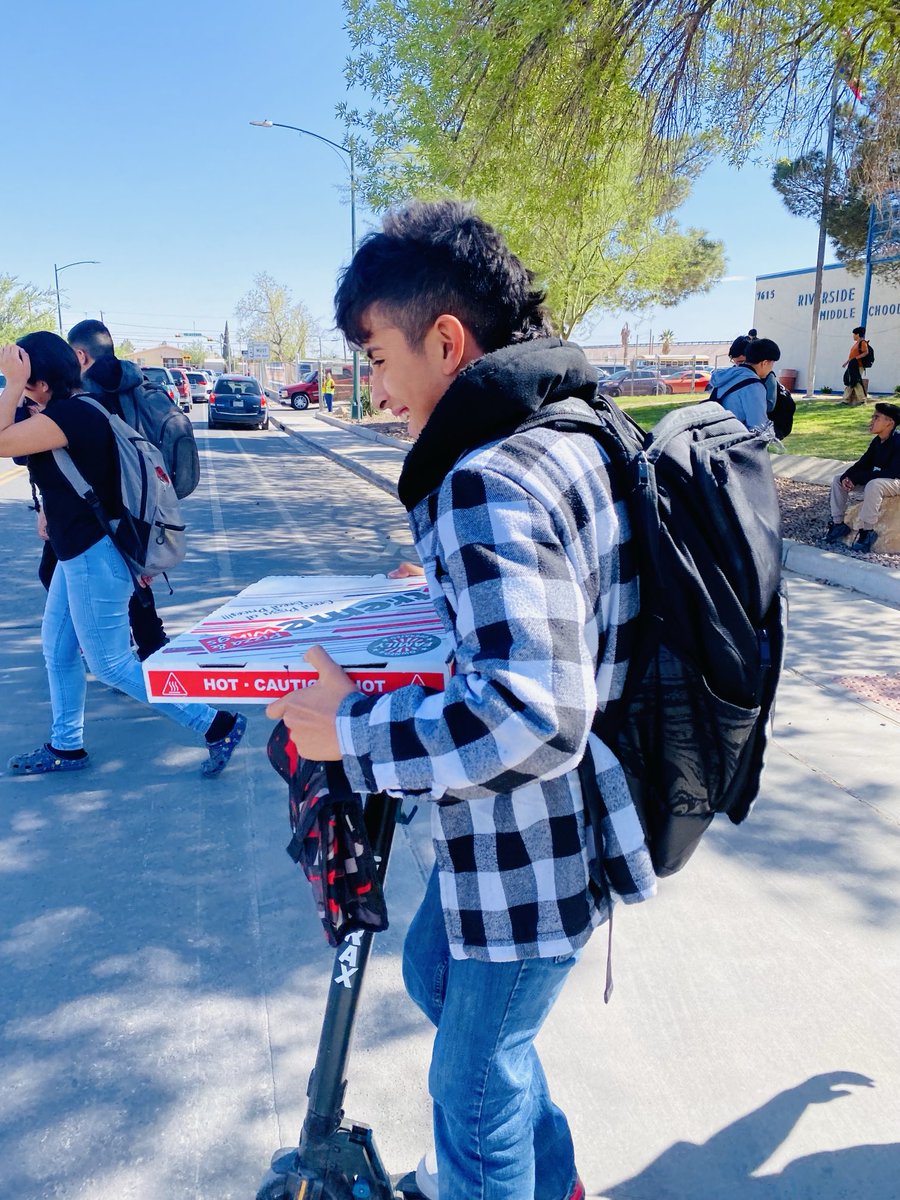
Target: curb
{"type": "Point", "coordinates": [366, 473]}
{"type": "Point", "coordinates": [364, 431]}
{"type": "Point", "coordinates": [806, 469]}
{"type": "Point", "coordinates": [869, 579]}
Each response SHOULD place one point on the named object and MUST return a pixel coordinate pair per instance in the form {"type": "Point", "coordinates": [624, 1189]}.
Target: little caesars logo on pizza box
{"type": "Point", "coordinates": [385, 633]}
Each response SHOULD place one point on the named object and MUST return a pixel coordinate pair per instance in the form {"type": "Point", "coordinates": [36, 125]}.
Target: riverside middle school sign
{"type": "Point", "coordinates": [783, 311]}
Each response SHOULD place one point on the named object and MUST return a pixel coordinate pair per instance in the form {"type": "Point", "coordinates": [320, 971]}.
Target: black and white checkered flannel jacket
{"type": "Point", "coordinates": [527, 560]}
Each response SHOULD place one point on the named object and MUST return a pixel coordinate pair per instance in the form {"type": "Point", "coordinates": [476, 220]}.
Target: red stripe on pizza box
{"type": "Point", "coordinates": [260, 687]}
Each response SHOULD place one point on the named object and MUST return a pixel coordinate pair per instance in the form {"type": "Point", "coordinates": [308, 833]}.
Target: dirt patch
{"type": "Point", "coordinates": [805, 515]}
{"type": "Point", "coordinates": [385, 424]}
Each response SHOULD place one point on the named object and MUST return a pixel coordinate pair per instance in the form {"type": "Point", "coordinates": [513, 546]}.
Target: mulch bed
{"type": "Point", "coordinates": [805, 515]}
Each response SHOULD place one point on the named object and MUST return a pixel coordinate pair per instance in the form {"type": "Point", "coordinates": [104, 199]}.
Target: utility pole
{"type": "Point", "coordinates": [820, 255]}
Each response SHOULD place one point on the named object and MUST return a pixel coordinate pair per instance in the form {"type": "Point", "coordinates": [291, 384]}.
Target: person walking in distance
{"type": "Point", "coordinates": [876, 475]}
{"type": "Point", "coordinates": [85, 623]}
{"type": "Point", "coordinates": [854, 388]}
{"type": "Point", "coordinates": [328, 391]}
{"type": "Point", "coordinates": [526, 550]}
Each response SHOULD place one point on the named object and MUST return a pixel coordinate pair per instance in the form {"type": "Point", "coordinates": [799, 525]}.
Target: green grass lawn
{"type": "Point", "coordinates": [822, 427]}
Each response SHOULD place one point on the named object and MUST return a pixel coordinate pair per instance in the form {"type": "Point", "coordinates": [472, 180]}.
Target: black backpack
{"type": "Point", "coordinates": [692, 726]}
{"type": "Point", "coordinates": [782, 414]}
{"type": "Point", "coordinates": [868, 359]}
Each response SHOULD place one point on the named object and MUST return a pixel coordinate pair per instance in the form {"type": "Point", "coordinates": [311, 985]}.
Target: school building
{"type": "Point", "coordinates": [783, 311]}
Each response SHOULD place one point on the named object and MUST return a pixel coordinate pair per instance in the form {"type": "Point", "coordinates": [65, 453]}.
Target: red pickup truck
{"type": "Point", "coordinates": [306, 392]}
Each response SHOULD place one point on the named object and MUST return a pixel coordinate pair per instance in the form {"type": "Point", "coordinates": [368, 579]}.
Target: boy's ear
{"type": "Point", "coordinates": [458, 347]}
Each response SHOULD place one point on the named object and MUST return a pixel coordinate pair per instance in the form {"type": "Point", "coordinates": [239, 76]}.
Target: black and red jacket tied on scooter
{"type": "Point", "coordinates": [330, 842]}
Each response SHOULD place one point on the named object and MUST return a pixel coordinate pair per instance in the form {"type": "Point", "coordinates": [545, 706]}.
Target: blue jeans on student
{"type": "Point", "coordinates": [87, 610]}
{"type": "Point", "coordinates": [498, 1135]}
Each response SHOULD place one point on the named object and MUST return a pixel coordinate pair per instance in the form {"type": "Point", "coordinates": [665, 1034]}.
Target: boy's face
{"type": "Point", "coordinates": [881, 425]}
{"type": "Point", "coordinates": [407, 381]}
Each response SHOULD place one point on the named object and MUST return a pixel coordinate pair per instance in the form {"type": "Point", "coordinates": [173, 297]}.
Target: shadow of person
{"type": "Point", "coordinates": [722, 1168]}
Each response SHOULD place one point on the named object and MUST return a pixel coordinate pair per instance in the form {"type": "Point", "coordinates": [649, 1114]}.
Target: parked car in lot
{"type": "Point", "coordinates": [163, 376]}
{"type": "Point", "coordinates": [638, 382]}
{"type": "Point", "coordinates": [689, 381]}
{"type": "Point", "coordinates": [200, 386]}
{"type": "Point", "coordinates": [238, 400]}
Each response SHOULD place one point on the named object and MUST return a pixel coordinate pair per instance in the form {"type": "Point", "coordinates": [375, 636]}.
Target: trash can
{"type": "Point", "coordinates": [788, 379]}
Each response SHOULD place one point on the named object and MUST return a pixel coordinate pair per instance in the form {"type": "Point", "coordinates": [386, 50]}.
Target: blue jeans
{"type": "Point", "coordinates": [498, 1135]}
{"type": "Point", "coordinates": [87, 610]}
{"type": "Point", "coordinates": [329, 400]}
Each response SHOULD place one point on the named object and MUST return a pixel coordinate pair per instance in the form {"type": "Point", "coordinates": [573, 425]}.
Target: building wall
{"type": "Point", "coordinates": [783, 311]}
{"type": "Point", "coordinates": [159, 356]}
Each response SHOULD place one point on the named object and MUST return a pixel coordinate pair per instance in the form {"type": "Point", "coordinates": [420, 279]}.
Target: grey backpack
{"type": "Point", "coordinates": [149, 410]}
{"type": "Point", "coordinates": [150, 533]}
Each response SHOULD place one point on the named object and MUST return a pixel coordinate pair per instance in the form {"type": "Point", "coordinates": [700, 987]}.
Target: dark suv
{"type": "Point", "coordinates": [238, 400]}
{"type": "Point", "coordinates": [640, 381]}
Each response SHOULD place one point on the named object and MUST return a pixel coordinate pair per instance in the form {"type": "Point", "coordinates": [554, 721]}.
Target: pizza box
{"type": "Point", "coordinates": [385, 633]}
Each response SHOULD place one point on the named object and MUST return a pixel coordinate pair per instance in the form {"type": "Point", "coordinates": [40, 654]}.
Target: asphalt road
{"type": "Point", "coordinates": [162, 975]}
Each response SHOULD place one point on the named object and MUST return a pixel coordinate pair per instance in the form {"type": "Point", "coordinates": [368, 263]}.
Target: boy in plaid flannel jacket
{"type": "Point", "coordinates": [525, 547]}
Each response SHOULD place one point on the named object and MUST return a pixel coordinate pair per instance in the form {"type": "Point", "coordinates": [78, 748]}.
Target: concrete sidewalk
{"type": "Point", "coordinates": [164, 974]}
{"type": "Point", "coordinates": [378, 459]}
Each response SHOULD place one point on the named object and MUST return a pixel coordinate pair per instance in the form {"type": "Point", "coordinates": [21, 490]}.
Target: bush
{"type": "Point", "coordinates": [826, 390]}
{"type": "Point", "coordinates": [897, 390]}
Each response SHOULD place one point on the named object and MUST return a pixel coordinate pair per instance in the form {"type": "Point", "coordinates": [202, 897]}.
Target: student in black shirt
{"type": "Point", "coordinates": [86, 614]}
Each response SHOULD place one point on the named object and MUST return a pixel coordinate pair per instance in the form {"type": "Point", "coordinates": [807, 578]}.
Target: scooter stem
{"type": "Point", "coordinates": [328, 1080]}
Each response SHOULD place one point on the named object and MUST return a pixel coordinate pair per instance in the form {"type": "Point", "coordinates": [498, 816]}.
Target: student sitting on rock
{"type": "Point", "coordinates": [876, 475]}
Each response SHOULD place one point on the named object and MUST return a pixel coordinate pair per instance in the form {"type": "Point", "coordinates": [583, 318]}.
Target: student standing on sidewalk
{"type": "Point", "coordinates": [527, 555]}
{"type": "Point", "coordinates": [86, 614]}
{"type": "Point", "coordinates": [328, 391]}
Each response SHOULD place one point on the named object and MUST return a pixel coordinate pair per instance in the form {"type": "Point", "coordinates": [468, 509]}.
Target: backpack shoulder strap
{"type": "Point", "coordinates": [69, 471]}
{"type": "Point", "coordinates": [66, 463]}
{"type": "Point", "coordinates": [93, 401]}
{"type": "Point", "coordinates": [741, 383]}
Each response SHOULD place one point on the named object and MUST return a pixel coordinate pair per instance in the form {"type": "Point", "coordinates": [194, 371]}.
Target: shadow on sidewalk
{"type": "Point", "coordinates": [723, 1167]}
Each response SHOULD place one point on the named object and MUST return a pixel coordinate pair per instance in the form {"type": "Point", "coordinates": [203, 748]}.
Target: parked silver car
{"type": "Point", "coordinates": [163, 376]}
{"type": "Point", "coordinates": [200, 386]}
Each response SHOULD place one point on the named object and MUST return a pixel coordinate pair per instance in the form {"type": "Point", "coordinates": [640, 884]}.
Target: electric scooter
{"type": "Point", "coordinates": [336, 1158]}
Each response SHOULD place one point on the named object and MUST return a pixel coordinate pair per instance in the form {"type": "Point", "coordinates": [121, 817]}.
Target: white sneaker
{"type": "Point", "coordinates": [427, 1176]}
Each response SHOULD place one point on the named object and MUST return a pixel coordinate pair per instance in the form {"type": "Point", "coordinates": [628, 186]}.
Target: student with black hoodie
{"type": "Point", "coordinates": [527, 554]}
{"type": "Point", "coordinates": [106, 377]}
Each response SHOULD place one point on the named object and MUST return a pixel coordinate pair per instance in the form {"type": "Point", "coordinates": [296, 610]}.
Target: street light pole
{"type": "Point", "coordinates": [56, 270]}
{"type": "Point", "coordinates": [349, 151]}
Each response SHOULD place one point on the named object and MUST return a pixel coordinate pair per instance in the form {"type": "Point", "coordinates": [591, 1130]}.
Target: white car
{"type": "Point", "coordinates": [164, 378]}
{"type": "Point", "coordinates": [200, 385]}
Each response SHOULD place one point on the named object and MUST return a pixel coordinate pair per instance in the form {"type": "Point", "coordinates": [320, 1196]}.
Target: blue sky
{"type": "Point", "coordinates": [127, 140]}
